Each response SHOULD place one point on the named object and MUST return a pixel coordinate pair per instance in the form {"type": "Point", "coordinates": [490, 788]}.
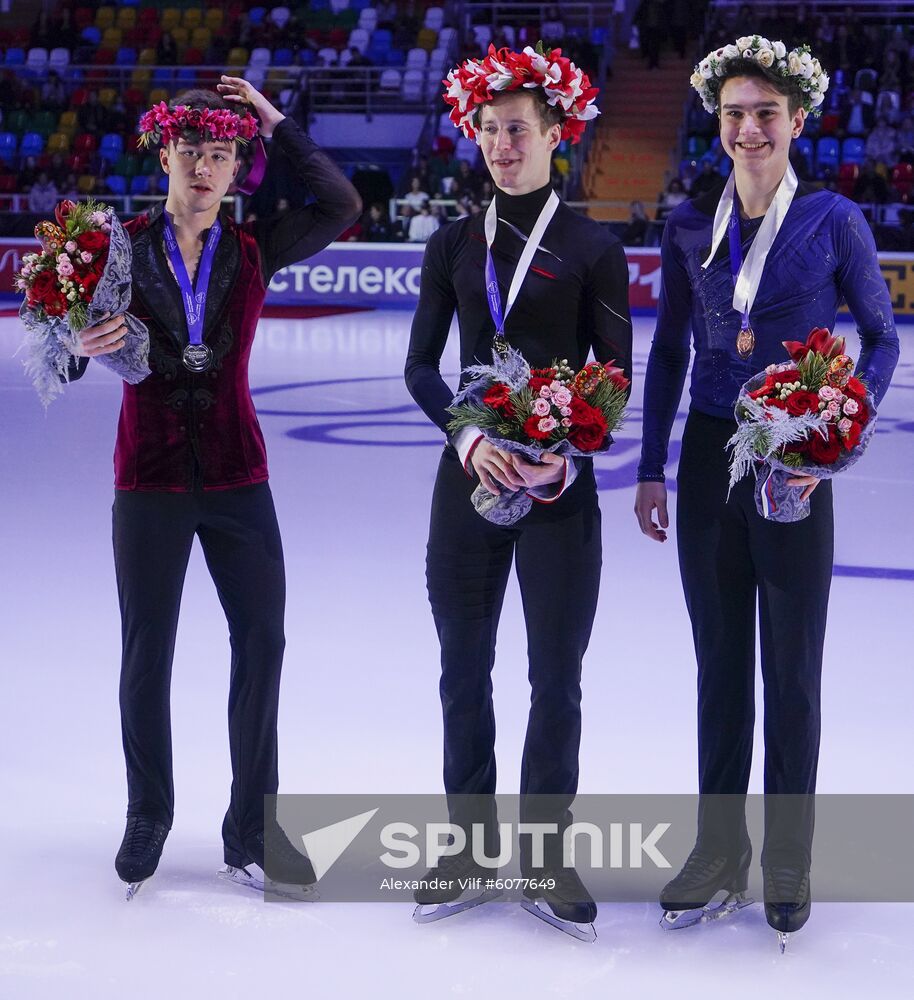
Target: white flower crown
{"type": "Point", "coordinates": [798, 65]}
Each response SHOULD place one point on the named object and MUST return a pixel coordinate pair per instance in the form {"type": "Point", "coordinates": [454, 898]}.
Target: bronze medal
{"type": "Point", "coordinates": [745, 342]}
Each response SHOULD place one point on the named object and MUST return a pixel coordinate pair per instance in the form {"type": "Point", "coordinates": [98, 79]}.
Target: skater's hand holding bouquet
{"type": "Point", "coordinates": [809, 417]}
{"type": "Point", "coordinates": [529, 413]}
{"type": "Point", "coordinates": [80, 277]}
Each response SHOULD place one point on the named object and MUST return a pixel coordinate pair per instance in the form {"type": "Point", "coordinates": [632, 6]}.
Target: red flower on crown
{"type": "Point", "coordinates": [477, 81]}
{"type": "Point", "coordinates": [162, 124]}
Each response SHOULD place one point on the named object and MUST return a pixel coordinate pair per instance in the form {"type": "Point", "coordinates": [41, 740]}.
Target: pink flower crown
{"type": "Point", "coordinates": [162, 124]}
{"type": "Point", "coordinates": [477, 81]}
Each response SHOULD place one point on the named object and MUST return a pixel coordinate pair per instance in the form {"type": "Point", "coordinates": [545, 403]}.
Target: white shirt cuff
{"type": "Point", "coordinates": [552, 491]}
{"type": "Point", "coordinates": [465, 441]}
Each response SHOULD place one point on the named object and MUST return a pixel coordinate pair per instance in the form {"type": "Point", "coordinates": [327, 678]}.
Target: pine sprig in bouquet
{"type": "Point", "coordinates": [807, 417]}
{"type": "Point", "coordinates": [81, 272]}
{"type": "Point", "coordinates": [531, 411]}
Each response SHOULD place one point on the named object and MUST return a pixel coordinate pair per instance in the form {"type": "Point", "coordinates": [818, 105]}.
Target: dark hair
{"type": "Point", "coordinates": [785, 86]}
{"type": "Point", "coordinates": [549, 115]}
{"type": "Point", "coordinates": [199, 98]}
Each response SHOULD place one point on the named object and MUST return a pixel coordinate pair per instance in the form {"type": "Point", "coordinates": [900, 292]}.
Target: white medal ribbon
{"type": "Point", "coordinates": [526, 258]}
{"type": "Point", "coordinates": [750, 274]}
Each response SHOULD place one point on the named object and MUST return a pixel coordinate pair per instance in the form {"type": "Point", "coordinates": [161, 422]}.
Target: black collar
{"type": "Point", "coordinates": [707, 203]}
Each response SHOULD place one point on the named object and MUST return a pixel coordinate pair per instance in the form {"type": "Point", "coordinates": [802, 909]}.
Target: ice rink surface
{"type": "Point", "coordinates": [352, 464]}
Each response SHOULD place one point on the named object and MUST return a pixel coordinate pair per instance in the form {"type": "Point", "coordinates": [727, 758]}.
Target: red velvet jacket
{"type": "Point", "coordinates": [176, 419]}
{"type": "Point", "coordinates": [180, 429]}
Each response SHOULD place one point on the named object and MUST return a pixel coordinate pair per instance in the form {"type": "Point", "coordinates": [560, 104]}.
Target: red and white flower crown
{"type": "Point", "coordinates": [477, 81]}
{"type": "Point", "coordinates": [162, 124]}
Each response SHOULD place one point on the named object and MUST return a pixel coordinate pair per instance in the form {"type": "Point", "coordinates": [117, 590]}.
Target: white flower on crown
{"type": "Point", "coordinates": [765, 58]}
{"type": "Point", "coordinates": [780, 50]}
{"type": "Point", "coordinates": [729, 52]}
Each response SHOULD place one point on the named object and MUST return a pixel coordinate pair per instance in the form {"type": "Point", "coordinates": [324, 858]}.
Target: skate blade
{"type": "Point", "coordinates": [580, 932]}
{"type": "Point", "coordinates": [782, 940]}
{"type": "Point", "coordinates": [253, 878]}
{"type": "Point", "coordinates": [673, 920]}
{"type": "Point", "coordinates": [428, 913]}
{"type": "Point", "coordinates": [133, 888]}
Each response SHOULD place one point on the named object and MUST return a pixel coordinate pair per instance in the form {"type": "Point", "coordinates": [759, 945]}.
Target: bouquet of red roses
{"type": "Point", "coordinates": [809, 416]}
{"type": "Point", "coordinates": [81, 272]}
{"type": "Point", "coordinates": [530, 411]}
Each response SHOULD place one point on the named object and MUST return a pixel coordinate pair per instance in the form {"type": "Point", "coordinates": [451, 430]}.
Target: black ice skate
{"type": "Point", "coordinates": [573, 910]}
{"type": "Point", "coordinates": [139, 853]}
{"type": "Point", "coordinates": [456, 883]}
{"type": "Point", "coordinates": [689, 898]}
{"type": "Point", "coordinates": [271, 864]}
{"type": "Point", "coordinates": [787, 900]}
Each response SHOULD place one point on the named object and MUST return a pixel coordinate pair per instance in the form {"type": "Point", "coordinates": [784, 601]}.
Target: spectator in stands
{"type": "Point", "coordinates": [28, 174]}
{"type": "Point", "coordinates": [651, 21]}
{"type": "Point", "coordinates": [905, 137]}
{"type": "Point", "coordinates": [167, 50]}
{"type": "Point", "coordinates": [857, 116]}
{"type": "Point", "coordinates": [638, 224]}
{"type": "Point", "coordinates": [422, 226]}
{"type": "Point", "coordinates": [416, 197]}
{"type": "Point", "coordinates": [870, 187]}
{"type": "Point", "coordinates": [44, 195]}
{"type": "Point", "coordinates": [422, 171]}
{"type": "Point", "coordinates": [882, 143]}
{"type": "Point", "coordinates": [466, 183]}
{"type": "Point", "coordinates": [674, 195]}
{"type": "Point", "coordinates": [387, 14]}
{"type": "Point", "coordinates": [92, 115]}
{"type": "Point", "coordinates": [53, 92]}
{"type": "Point", "coordinates": [553, 30]}
{"type": "Point", "coordinates": [893, 75]}
{"type": "Point", "coordinates": [707, 181]}
{"type": "Point", "coordinates": [377, 227]}
{"type": "Point", "coordinates": [401, 224]}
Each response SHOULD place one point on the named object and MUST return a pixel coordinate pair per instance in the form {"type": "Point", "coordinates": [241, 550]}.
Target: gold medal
{"type": "Point", "coordinates": [745, 342]}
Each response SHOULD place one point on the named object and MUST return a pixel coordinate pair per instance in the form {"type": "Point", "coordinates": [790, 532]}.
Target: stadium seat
{"type": "Point", "coordinates": [438, 60]}
{"type": "Point", "coordinates": [58, 142]}
{"type": "Point", "coordinates": [260, 57]}
{"type": "Point", "coordinates": [170, 19]}
{"type": "Point", "coordinates": [18, 121]}
{"type": "Point", "coordinates": [107, 96]}
{"type": "Point", "coordinates": [116, 184]}
{"type": "Point", "coordinates": [112, 38]}
{"type": "Point", "coordinates": [147, 57]}
{"type": "Point", "coordinates": [827, 153]}
{"type": "Point", "coordinates": [847, 178]}
{"type": "Point", "coordinates": [181, 35]}
{"type": "Point", "coordinates": [327, 57]}
{"type": "Point", "coordinates": [59, 60]}
{"type": "Point", "coordinates": [853, 150]}
{"type": "Point", "coordinates": [139, 184]}
{"type": "Point", "coordinates": [337, 6]}
{"type": "Point", "coordinates": [193, 18]}
{"type": "Point", "coordinates": [483, 35]}
{"type": "Point", "coordinates": [8, 144]}
{"type": "Point", "coordinates": [125, 56]}
{"type": "Point", "coordinates": [434, 18]}
{"type": "Point", "coordinates": [104, 17]}
{"type": "Point", "coordinates": [417, 59]}
{"type": "Point", "coordinates": [14, 57]}
{"type": "Point", "coordinates": [256, 15]}
{"type": "Point", "coordinates": [158, 95]}
{"type": "Point", "coordinates": [127, 166]}
{"type": "Point", "coordinates": [213, 19]}
{"type": "Point", "coordinates": [192, 57]}
{"type": "Point", "coordinates": [359, 38]}
{"type": "Point", "coordinates": [447, 37]}
{"type": "Point", "coordinates": [84, 144]}
{"type": "Point", "coordinates": [201, 38]}
{"type": "Point", "coordinates": [91, 35]}
{"type": "Point", "coordinates": [111, 148]}
{"type": "Point", "coordinates": [68, 123]}
{"type": "Point", "coordinates": [86, 183]}
{"type": "Point", "coordinates": [141, 78]}
{"type": "Point", "coordinates": [368, 19]}
{"type": "Point", "coordinates": [283, 57]}
{"type": "Point", "coordinates": [696, 146]}
{"type": "Point", "coordinates": [44, 123]}
{"type": "Point", "coordinates": [126, 18]}
{"type": "Point", "coordinates": [237, 57]}
{"type": "Point", "coordinates": [427, 39]}
{"type": "Point", "coordinates": [805, 148]}
{"type": "Point", "coordinates": [36, 61]}
{"type": "Point", "coordinates": [280, 16]}
{"type": "Point", "coordinates": [390, 81]}
{"type": "Point", "coordinates": [32, 145]}
{"type": "Point", "coordinates": [413, 88]}
{"type": "Point", "coordinates": [83, 17]}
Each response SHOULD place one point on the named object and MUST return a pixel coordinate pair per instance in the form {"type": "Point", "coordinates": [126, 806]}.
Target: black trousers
{"type": "Point", "coordinates": [730, 557]}
{"type": "Point", "coordinates": [153, 534]}
{"type": "Point", "coordinates": [557, 549]}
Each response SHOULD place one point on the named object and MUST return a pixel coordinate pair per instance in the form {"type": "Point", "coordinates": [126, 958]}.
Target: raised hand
{"type": "Point", "coordinates": [237, 90]}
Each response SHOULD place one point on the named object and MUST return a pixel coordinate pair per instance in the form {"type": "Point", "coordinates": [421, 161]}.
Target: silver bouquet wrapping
{"type": "Point", "coordinates": [51, 339]}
